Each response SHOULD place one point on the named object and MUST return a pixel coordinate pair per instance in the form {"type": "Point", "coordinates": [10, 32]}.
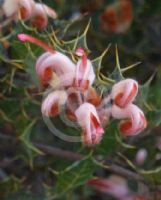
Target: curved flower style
{"type": "Point", "coordinates": [88, 119]}
{"type": "Point", "coordinates": [40, 15]}
{"type": "Point", "coordinates": [117, 17]}
{"type": "Point", "coordinates": [124, 92]}
{"type": "Point", "coordinates": [28, 9]}
{"type": "Point", "coordinates": [53, 102]}
{"type": "Point", "coordinates": [27, 38]}
{"type": "Point", "coordinates": [58, 63]}
{"type": "Point", "coordinates": [114, 185]}
{"type": "Point", "coordinates": [84, 71]}
{"type": "Point", "coordinates": [134, 121]}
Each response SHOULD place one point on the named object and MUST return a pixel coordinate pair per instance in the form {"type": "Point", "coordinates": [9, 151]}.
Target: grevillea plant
{"type": "Point", "coordinates": [75, 125]}
{"type": "Point", "coordinates": [86, 107]}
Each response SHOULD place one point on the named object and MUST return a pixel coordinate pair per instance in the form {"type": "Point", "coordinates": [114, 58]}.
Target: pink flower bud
{"type": "Point", "coordinates": [114, 185]}
{"type": "Point", "coordinates": [124, 92]}
{"type": "Point", "coordinates": [88, 119]}
{"type": "Point", "coordinates": [134, 122]}
{"type": "Point", "coordinates": [52, 104]}
{"type": "Point", "coordinates": [58, 63]}
{"type": "Point", "coordinates": [84, 71]}
{"type": "Point", "coordinates": [141, 156]}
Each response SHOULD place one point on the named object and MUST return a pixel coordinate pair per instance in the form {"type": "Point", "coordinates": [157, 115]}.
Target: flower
{"type": "Point", "coordinates": [58, 63]}
{"type": "Point", "coordinates": [28, 9]}
{"type": "Point", "coordinates": [113, 185]}
{"type": "Point", "coordinates": [134, 122]}
{"type": "Point", "coordinates": [88, 119]}
{"type": "Point", "coordinates": [40, 15]}
{"type": "Point", "coordinates": [73, 82]}
{"type": "Point", "coordinates": [124, 92]}
{"type": "Point", "coordinates": [84, 71]}
{"type": "Point", "coordinates": [52, 103]}
{"type": "Point", "coordinates": [117, 17]}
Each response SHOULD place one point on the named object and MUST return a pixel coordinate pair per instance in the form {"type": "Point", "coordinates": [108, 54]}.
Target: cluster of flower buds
{"type": "Point", "coordinates": [123, 94]}
{"type": "Point", "coordinates": [27, 9]}
{"type": "Point", "coordinates": [72, 88]}
{"type": "Point", "coordinates": [117, 17]}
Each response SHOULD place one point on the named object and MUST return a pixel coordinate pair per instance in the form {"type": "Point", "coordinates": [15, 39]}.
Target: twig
{"type": "Point", "coordinates": [74, 156]}
{"type": "Point", "coordinates": [58, 152]}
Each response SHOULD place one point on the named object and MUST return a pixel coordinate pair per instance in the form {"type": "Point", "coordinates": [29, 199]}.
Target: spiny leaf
{"type": "Point", "coordinates": [108, 143]}
{"type": "Point", "coordinates": [127, 146]}
{"type": "Point", "coordinates": [98, 61]}
{"type": "Point", "coordinates": [79, 41]}
{"type": "Point", "coordinates": [75, 176]}
{"type": "Point", "coordinates": [154, 118]}
{"type": "Point", "coordinates": [153, 175]}
{"type": "Point", "coordinates": [118, 67]}
{"type": "Point", "coordinates": [30, 148]}
{"type": "Point", "coordinates": [130, 67]}
{"type": "Point", "coordinates": [144, 91]}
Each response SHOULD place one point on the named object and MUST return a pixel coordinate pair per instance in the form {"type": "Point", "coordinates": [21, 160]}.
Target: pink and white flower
{"type": "Point", "coordinates": [40, 15]}
{"type": "Point", "coordinates": [134, 119]}
{"type": "Point", "coordinates": [58, 63]}
{"type": "Point", "coordinates": [88, 119]}
{"type": "Point", "coordinates": [29, 9]}
{"type": "Point", "coordinates": [124, 92]}
{"type": "Point", "coordinates": [51, 105]}
{"type": "Point", "coordinates": [113, 185]}
{"type": "Point", "coordinates": [84, 71]}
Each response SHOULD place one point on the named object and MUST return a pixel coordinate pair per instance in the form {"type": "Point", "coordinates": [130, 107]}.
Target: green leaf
{"type": "Point", "coordinates": [30, 68]}
{"type": "Point", "coordinates": [144, 91]}
{"type": "Point", "coordinates": [154, 118]}
{"type": "Point", "coordinates": [109, 141]}
{"type": "Point", "coordinates": [153, 175]}
{"type": "Point", "coordinates": [30, 148]}
{"type": "Point", "coordinates": [76, 175]}
{"type": "Point", "coordinates": [117, 73]}
{"type": "Point", "coordinates": [80, 41]}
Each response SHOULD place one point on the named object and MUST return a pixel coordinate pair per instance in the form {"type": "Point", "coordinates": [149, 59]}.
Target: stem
{"type": "Point", "coordinates": [75, 156]}
{"type": "Point", "coordinates": [58, 152]}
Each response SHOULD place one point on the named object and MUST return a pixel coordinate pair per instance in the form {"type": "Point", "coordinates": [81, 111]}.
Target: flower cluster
{"type": "Point", "coordinates": [73, 88]}
{"type": "Point", "coordinates": [27, 9]}
{"type": "Point", "coordinates": [117, 17]}
{"type": "Point", "coordinates": [123, 94]}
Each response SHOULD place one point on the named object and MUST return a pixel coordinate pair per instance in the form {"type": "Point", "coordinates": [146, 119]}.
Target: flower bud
{"type": "Point", "coordinates": [124, 92]}
{"type": "Point", "coordinates": [88, 119]}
